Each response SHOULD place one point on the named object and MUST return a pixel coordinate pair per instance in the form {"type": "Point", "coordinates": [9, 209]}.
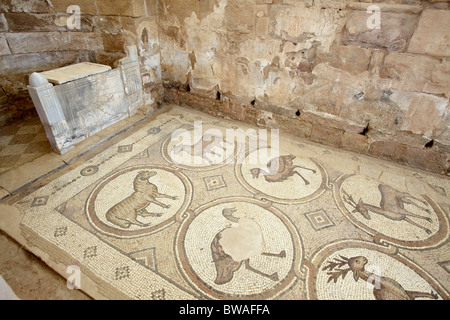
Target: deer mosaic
{"type": "Point", "coordinates": [384, 289]}
{"type": "Point", "coordinates": [392, 206]}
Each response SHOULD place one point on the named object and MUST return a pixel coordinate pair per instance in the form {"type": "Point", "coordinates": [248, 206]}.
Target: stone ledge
{"type": "Point", "coordinates": [387, 7]}
{"type": "Point", "coordinates": [414, 157]}
{"type": "Point", "coordinates": [311, 127]}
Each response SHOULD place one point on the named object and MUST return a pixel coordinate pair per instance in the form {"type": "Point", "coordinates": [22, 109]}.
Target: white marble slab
{"type": "Point", "coordinates": [5, 291]}
{"type": "Point", "coordinates": [74, 72]}
{"type": "Point", "coordinates": [84, 98]}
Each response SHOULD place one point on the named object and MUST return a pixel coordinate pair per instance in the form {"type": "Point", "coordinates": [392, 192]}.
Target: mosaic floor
{"type": "Point", "coordinates": [172, 212]}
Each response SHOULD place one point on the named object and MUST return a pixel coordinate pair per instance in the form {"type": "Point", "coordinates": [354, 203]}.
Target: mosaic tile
{"type": "Point", "coordinates": [124, 149]}
{"type": "Point", "coordinates": [319, 220]}
{"type": "Point", "coordinates": [90, 252]}
{"type": "Point", "coordinates": [122, 273]}
{"type": "Point", "coordinates": [89, 171]}
{"type": "Point", "coordinates": [146, 257]}
{"type": "Point", "coordinates": [216, 182]}
{"type": "Point", "coordinates": [60, 232]}
{"type": "Point", "coordinates": [39, 201]}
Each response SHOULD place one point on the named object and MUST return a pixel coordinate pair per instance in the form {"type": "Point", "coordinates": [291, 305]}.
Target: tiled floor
{"type": "Point", "coordinates": [21, 143]}
{"type": "Point", "coordinates": [150, 218]}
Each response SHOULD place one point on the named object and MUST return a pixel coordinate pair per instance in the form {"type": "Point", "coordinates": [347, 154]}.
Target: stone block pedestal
{"type": "Point", "coordinates": [80, 100]}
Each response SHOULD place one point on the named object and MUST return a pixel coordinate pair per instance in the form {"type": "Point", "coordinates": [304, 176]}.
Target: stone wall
{"type": "Point", "coordinates": [317, 69]}
{"type": "Point", "coordinates": [41, 35]}
{"type": "Point", "coordinates": [313, 68]}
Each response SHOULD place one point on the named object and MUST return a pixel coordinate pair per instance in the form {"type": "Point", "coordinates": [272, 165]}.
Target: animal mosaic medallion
{"type": "Point", "coordinates": [281, 178]}
{"type": "Point", "coordinates": [238, 248]}
{"type": "Point", "coordinates": [137, 201]}
{"type": "Point", "coordinates": [206, 150]}
{"type": "Point", "coordinates": [390, 214]}
{"type": "Point", "coordinates": [363, 271]}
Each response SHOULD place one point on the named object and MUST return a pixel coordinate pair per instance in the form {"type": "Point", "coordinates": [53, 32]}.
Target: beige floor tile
{"type": "Point", "coordinates": [13, 149]}
{"type": "Point", "coordinates": [21, 176]}
{"type": "Point", "coordinates": [3, 193]}
{"type": "Point", "coordinates": [31, 129]}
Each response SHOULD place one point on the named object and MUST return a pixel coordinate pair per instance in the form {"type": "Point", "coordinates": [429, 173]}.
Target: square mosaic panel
{"type": "Point", "coordinates": [214, 183]}
{"type": "Point", "coordinates": [319, 220]}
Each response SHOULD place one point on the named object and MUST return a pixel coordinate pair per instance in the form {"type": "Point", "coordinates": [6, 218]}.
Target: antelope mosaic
{"type": "Point", "coordinates": [392, 206]}
{"type": "Point", "coordinates": [385, 288]}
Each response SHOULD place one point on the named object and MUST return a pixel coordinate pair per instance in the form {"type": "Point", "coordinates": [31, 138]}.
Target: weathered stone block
{"type": "Point", "coordinates": [433, 34]}
{"type": "Point", "coordinates": [442, 139]}
{"type": "Point", "coordinates": [3, 23]}
{"type": "Point", "coordinates": [295, 127]}
{"type": "Point", "coordinates": [355, 142]}
{"type": "Point", "coordinates": [297, 23]}
{"type": "Point", "coordinates": [108, 24]}
{"type": "Point", "coordinates": [132, 8]}
{"type": "Point", "coordinates": [113, 43]}
{"type": "Point", "coordinates": [415, 157]}
{"type": "Point", "coordinates": [441, 75]}
{"type": "Point", "coordinates": [64, 23]}
{"type": "Point", "coordinates": [393, 35]}
{"type": "Point", "coordinates": [31, 22]}
{"type": "Point", "coordinates": [4, 48]}
{"type": "Point", "coordinates": [352, 59]}
{"type": "Point", "coordinates": [28, 63]}
{"type": "Point", "coordinates": [327, 98]}
{"type": "Point", "coordinates": [237, 15]}
{"type": "Point", "coordinates": [327, 136]}
{"type": "Point", "coordinates": [86, 6]}
{"type": "Point", "coordinates": [421, 112]}
{"type": "Point", "coordinates": [412, 72]}
{"type": "Point", "coordinates": [53, 41]}
{"type": "Point", "coordinates": [401, 137]}
{"type": "Point", "coordinates": [109, 58]}
{"type": "Point", "coordinates": [15, 85]}
{"type": "Point", "coordinates": [330, 121]}
{"type": "Point", "coordinates": [35, 6]}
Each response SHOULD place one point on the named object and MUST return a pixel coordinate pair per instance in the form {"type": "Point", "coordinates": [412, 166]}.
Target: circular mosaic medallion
{"type": "Point", "coordinates": [239, 249]}
{"type": "Point", "coordinates": [391, 214]}
{"type": "Point", "coordinates": [203, 150]}
{"type": "Point", "coordinates": [138, 201]}
{"type": "Point", "coordinates": [356, 270]}
{"type": "Point", "coordinates": [154, 131]}
{"type": "Point", "coordinates": [281, 178]}
{"type": "Point", "coordinates": [89, 171]}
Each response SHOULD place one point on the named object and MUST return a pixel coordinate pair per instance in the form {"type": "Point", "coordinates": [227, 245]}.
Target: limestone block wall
{"type": "Point", "coordinates": [40, 35]}
{"type": "Point", "coordinates": [319, 69]}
